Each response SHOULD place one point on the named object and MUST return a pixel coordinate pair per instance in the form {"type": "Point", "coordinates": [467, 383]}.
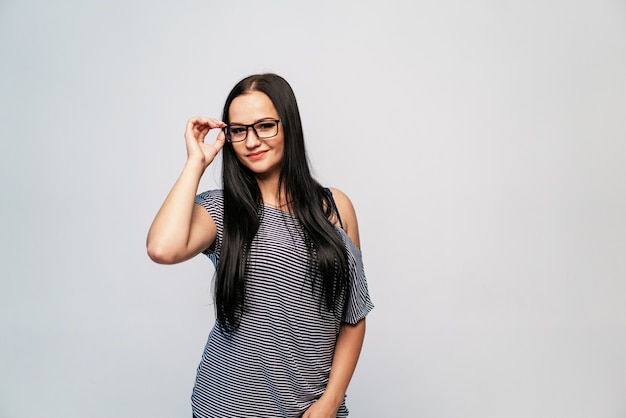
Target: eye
{"type": "Point", "coordinates": [237, 130]}
{"type": "Point", "coordinates": [266, 125]}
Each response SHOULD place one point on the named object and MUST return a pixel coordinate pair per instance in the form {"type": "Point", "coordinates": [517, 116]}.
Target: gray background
{"type": "Point", "coordinates": [483, 144]}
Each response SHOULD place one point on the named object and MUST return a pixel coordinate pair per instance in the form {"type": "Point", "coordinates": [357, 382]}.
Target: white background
{"type": "Point", "coordinates": [483, 144]}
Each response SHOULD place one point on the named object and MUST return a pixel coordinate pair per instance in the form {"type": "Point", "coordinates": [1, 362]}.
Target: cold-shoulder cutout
{"type": "Point", "coordinates": [347, 214]}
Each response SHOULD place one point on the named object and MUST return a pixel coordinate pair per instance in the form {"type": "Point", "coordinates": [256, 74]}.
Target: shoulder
{"type": "Point", "coordinates": [213, 203]}
{"type": "Point", "coordinates": [212, 200]}
{"type": "Point", "coordinates": [347, 213]}
{"type": "Point", "coordinates": [215, 194]}
{"type": "Point", "coordinates": [342, 201]}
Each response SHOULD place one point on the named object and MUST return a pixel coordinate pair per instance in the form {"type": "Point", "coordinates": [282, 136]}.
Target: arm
{"type": "Point", "coordinates": [181, 229]}
{"type": "Point", "coordinates": [347, 350]}
{"type": "Point", "coordinates": [350, 337]}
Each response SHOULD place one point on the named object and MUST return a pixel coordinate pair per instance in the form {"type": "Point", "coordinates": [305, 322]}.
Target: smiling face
{"type": "Point", "coordinates": [261, 156]}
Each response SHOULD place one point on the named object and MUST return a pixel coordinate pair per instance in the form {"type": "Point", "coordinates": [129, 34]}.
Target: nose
{"type": "Point", "coordinates": [252, 139]}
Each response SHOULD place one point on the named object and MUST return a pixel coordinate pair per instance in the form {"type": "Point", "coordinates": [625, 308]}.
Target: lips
{"type": "Point", "coordinates": [256, 155]}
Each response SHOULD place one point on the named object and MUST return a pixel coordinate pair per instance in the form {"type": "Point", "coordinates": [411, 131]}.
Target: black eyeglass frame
{"type": "Point", "coordinates": [226, 130]}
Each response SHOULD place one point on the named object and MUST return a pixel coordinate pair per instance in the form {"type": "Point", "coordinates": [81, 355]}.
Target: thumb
{"type": "Point", "coordinates": [221, 137]}
{"type": "Point", "coordinates": [220, 140]}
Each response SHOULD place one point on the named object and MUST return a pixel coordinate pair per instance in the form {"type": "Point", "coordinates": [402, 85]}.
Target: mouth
{"type": "Point", "coordinates": [256, 155]}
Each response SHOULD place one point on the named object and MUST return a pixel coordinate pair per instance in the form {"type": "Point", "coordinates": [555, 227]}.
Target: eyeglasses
{"type": "Point", "coordinates": [264, 129]}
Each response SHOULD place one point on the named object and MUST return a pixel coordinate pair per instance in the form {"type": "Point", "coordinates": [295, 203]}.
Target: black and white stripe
{"type": "Point", "coordinates": [278, 362]}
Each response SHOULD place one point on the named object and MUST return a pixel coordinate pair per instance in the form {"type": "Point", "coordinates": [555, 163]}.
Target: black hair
{"type": "Point", "coordinates": [306, 198]}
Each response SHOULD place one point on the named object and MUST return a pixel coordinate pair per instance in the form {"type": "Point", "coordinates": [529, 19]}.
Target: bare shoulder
{"type": "Point", "coordinates": [347, 213]}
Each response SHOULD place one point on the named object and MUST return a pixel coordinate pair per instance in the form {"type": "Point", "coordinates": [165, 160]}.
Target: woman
{"type": "Point", "coordinates": [290, 291]}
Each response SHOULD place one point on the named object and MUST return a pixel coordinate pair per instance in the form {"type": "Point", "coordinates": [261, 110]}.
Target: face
{"type": "Point", "coordinates": [261, 156]}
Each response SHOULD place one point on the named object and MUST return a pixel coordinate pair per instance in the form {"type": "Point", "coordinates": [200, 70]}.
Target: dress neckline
{"type": "Point", "coordinates": [266, 205]}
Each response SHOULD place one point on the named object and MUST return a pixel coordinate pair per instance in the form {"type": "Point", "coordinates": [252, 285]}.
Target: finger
{"type": "Point", "coordinates": [199, 126]}
{"type": "Point", "coordinates": [197, 122]}
{"type": "Point", "coordinates": [191, 123]}
{"type": "Point", "coordinates": [215, 123]}
{"type": "Point", "coordinates": [194, 125]}
{"type": "Point", "coordinates": [220, 140]}
{"type": "Point", "coordinates": [212, 122]}
{"type": "Point", "coordinates": [221, 137]}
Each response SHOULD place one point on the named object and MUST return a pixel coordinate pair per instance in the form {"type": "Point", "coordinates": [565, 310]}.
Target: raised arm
{"type": "Point", "coordinates": [182, 229]}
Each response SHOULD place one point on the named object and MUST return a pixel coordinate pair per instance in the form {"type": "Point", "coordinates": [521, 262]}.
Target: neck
{"type": "Point", "coordinates": [271, 195]}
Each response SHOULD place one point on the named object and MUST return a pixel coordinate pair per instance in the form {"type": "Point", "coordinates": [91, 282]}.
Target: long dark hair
{"type": "Point", "coordinates": [308, 200]}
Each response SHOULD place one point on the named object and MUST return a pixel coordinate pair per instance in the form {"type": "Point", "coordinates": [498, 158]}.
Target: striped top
{"type": "Point", "coordinates": [277, 363]}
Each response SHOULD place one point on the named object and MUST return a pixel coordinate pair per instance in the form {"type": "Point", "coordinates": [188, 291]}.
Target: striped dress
{"type": "Point", "coordinates": [277, 363]}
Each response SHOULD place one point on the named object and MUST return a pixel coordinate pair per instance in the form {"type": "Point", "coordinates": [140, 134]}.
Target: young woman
{"type": "Point", "coordinates": [290, 291]}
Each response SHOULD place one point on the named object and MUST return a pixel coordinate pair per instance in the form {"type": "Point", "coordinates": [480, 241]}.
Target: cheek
{"type": "Point", "coordinates": [281, 150]}
{"type": "Point", "coordinates": [239, 153]}
{"type": "Point", "coordinates": [281, 144]}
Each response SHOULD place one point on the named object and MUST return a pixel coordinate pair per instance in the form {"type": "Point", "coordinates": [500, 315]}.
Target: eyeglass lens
{"type": "Point", "coordinates": [263, 129]}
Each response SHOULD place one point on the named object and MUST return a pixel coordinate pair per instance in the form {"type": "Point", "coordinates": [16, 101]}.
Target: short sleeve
{"type": "Point", "coordinates": [358, 302]}
{"type": "Point", "coordinates": [213, 202]}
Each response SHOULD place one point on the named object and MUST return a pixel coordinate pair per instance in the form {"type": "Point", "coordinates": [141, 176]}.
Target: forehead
{"type": "Point", "coordinates": [251, 107]}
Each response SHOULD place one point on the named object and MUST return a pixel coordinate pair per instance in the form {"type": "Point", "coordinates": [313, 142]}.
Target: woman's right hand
{"type": "Point", "coordinates": [181, 229]}
{"type": "Point", "coordinates": [195, 133]}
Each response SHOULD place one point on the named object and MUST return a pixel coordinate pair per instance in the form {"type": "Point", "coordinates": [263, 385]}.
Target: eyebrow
{"type": "Point", "coordinates": [255, 122]}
